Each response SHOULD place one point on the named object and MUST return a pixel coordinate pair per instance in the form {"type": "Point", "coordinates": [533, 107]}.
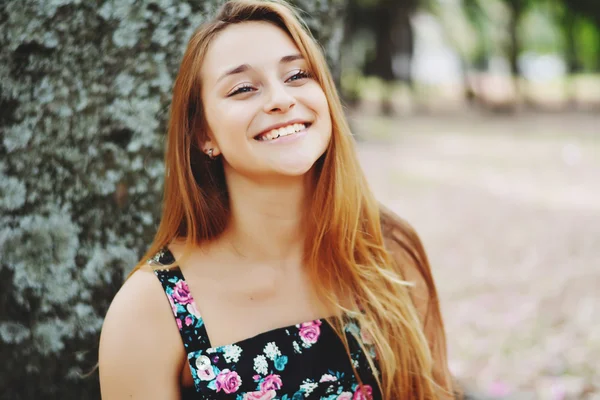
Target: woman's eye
{"type": "Point", "coordinates": [299, 75]}
{"type": "Point", "coordinates": [241, 89]}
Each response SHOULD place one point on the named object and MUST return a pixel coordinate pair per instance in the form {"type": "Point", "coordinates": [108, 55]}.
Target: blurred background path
{"type": "Point", "coordinates": [508, 208]}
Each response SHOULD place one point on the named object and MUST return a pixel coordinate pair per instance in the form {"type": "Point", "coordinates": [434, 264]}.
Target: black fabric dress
{"type": "Point", "coordinates": [303, 361]}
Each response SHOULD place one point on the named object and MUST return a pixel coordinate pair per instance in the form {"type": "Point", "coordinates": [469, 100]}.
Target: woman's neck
{"type": "Point", "coordinates": [268, 218]}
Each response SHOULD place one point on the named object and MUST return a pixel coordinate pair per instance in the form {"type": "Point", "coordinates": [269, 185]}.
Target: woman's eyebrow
{"type": "Point", "coordinates": [290, 58]}
{"type": "Point", "coordinates": [245, 67]}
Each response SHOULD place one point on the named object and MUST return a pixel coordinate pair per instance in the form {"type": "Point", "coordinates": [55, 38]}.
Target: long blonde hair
{"type": "Point", "coordinates": [345, 257]}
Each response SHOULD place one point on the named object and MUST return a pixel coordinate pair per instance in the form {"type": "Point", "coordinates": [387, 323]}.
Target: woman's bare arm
{"type": "Point", "coordinates": [141, 353]}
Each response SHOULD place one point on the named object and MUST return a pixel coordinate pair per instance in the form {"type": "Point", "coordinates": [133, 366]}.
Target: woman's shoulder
{"type": "Point", "coordinates": [139, 336]}
{"type": "Point", "coordinates": [140, 305]}
{"type": "Point", "coordinates": [401, 239]}
{"type": "Point", "coordinates": [410, 259]}
{"type": "Point", "coordinates": [395, 228]}
{"type": "Point", "coordinates": [140, 292]}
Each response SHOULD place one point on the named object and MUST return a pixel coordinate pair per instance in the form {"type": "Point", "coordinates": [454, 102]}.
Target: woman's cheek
{"type": "Point", "coordinates": [316, 99]}
{"type": "Point", "coordinates": [232, 127]}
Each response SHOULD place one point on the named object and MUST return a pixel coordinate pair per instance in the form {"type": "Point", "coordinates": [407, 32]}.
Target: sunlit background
{"type": "Point", "coordinates": [479, 122]}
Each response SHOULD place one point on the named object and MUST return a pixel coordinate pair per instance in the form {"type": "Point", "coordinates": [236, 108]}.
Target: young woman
{"type": "Point", "coordinates": [284, 278]}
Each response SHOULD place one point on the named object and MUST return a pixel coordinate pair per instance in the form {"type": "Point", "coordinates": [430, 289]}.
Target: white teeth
{"type": "Point", "coordinates": [283, 131]}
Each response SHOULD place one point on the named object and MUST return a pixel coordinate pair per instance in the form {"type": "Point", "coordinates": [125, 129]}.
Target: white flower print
{"type": "Point", "coordinates": [191, 308]}
{"type": "Point", "coordinates": [308, 386]}
{"type": "Point", "coordinates": [297, 348]}
{"type": "Point", "coordinates": [260, 365]}
{"type": "Point", "coordinates": [272, 351]}
{"type": "Point", "coordinates": [232, 353]}
{"type": "Point", "coordinates": [353, 328]}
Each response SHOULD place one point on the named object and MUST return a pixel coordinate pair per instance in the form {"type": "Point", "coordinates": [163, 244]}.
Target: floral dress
{"type": "Point", "coordinates": [303, 361]}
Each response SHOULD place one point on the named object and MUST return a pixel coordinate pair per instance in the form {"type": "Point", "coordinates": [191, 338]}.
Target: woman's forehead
{"type": "Point", "coordinates": [258, 44]}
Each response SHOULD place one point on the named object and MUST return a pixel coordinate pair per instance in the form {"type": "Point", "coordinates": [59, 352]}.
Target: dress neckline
{"type": "Point", "coordinates": [165, 257]}
{"type": "Point", "coordinates": [270, 332]}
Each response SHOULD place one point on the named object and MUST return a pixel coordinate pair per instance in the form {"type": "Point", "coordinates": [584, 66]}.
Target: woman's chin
{"type": "Point", "coordinates": [294, 165]}
{"type": "Point", "coordinates": [294, 169]}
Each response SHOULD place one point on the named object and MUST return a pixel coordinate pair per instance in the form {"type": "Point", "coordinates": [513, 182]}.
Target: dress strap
{"type": "Point", "coordinates": [188, 319]}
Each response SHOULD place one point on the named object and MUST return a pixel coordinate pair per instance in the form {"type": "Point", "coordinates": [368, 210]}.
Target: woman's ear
{"type": "Point", "coordinates": [210, 147]}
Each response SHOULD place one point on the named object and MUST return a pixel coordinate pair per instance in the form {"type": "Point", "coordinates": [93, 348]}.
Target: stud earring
{"type": "Point", "coordinates": [210, 154]}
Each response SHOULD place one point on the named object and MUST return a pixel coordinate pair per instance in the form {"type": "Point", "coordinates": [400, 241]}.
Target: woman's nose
{"type": "Point", "coordinates": [279, 100]}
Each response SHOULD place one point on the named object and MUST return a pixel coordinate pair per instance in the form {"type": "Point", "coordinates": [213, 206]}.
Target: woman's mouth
{"type": "Point", "coordinates": [282, 132]}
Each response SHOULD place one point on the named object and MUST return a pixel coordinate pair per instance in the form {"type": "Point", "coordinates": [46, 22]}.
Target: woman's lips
{"type": "Point", "coordinates": [280, 133]}
{"type": "Point", "coordinates": [287, 138]}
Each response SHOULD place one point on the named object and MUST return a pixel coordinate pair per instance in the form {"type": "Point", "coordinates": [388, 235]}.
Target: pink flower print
{"type": "Point", "coordinates": [228, 381]}
{"type": "Point", "coordinates": [271, 382]}
{"type": "Point", "coordinates": [310, 331]}
{"type": "Point", "coordinates": [363, 392]}
{"type": "Point", "coordinates": [191, 308]}
{"type": "Point", "coordinates": [181, 293]}
{"type": "Point", "coordinates": [345, 396]}
{"type": "Point", "coordinates": [188, 320]}
{"type": "Point", "coordinates": [206, 374]}
{"type": "Point", "coordinates": [328, 378]}
{"type": "Point", "coordinates": [179, 324]}
{"type": "Point", "coordinates": [268, 395]}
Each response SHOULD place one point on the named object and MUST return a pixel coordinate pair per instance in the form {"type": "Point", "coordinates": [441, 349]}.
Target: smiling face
{"type": "Point", "coordinates": [266, 115]}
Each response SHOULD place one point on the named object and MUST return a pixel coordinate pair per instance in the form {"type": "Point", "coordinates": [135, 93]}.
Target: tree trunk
{"type": "Point", "coordinates": [516, 8]}
{"type": "Point", "coordinates": [569, 22]}
{"type": "Point", "coordinates": [394, 40]}
{"type": "Point", "coordinates": [84, 92]}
